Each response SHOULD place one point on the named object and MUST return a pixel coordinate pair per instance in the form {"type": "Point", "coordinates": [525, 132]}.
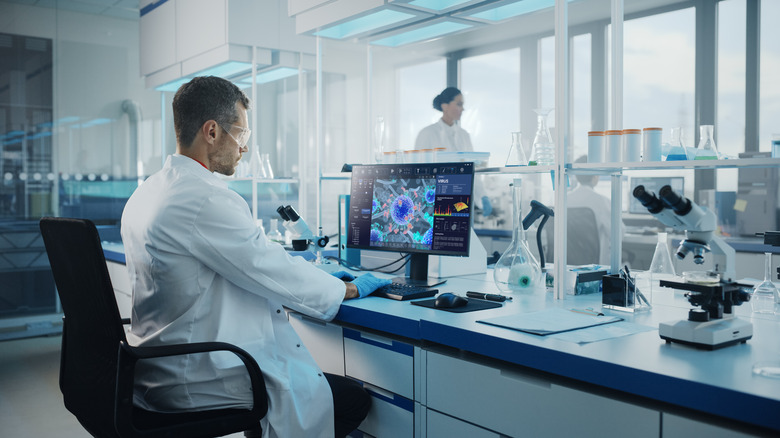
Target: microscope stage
{"type": "Point", "coordinates": [709, 335]}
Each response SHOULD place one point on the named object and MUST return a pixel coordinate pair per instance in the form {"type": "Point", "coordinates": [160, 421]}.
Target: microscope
{"type": "Point", "coordinates": [303, 237]}
{"type": "Point", "coordinates": [710, 324]}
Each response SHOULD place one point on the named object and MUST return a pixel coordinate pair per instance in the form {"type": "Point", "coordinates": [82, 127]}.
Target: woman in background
{"type": "Point", "coordinates": [446, 133]}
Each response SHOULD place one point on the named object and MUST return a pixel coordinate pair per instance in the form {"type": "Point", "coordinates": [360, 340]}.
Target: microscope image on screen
{"type": "Point", "coordinates": [402, 212]}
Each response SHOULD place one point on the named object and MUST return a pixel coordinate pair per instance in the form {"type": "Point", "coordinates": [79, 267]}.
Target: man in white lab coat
{"type": "Point", "coordinates": [202, 271]}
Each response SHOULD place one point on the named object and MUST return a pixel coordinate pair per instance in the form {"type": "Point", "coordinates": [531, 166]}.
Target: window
{"type": "Point", "coordinates": [730, 126]}
{"type": "Point", "coordinates": [418, 85]}
{"type": "Point", "coordinates": [491, 91]}
{"type": "Point", "coordinates": [659, 72]}
{"type": "Point", "coordinates": [770, 66]}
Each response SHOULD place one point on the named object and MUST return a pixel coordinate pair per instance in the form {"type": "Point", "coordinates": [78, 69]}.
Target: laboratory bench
{"type": "Point", "coordinates": [434, 373]}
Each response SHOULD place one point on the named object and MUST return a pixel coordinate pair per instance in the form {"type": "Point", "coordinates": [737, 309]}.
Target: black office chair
{"type": "Point", "coordinates": [97, 364]}
{"type": "Point", "coordinates": [582, 237]}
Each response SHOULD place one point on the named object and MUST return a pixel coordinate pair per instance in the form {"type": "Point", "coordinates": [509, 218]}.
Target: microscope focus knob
{"type": "Point", "coordinates": [698, 315]}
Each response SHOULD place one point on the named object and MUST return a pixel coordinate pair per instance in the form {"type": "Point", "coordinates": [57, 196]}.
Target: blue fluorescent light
{"type": "Point", "coordinates": [366, 23]}
{"type": "Point", "coordinates": [272, 75]}
{"type": "Point", "coordinates": [423, 33]}
{"type": "Point", "coordinates": [226, 69]}
{"type": "Point", "coordinates": [437, 5]}
{"type": "Point", "coordinates": [514, 9]}
{"type": "Point", "coordinates": [95, 122]}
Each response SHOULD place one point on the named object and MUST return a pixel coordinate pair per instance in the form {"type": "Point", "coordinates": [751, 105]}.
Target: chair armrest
{"type": "Point", "coordinates": [129, 355]}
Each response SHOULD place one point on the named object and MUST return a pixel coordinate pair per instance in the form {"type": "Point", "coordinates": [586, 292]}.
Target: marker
{"type": "Point", "coordinates": [489, 297]}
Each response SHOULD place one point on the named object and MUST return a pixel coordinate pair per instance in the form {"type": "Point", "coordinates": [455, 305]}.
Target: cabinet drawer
{"type": "Point", "coordinates": [380, 361]}
{"type": "Point", "coordinates": [323, 340]}
{"type": "Point", "coordinates": [675, 426]}
{"type": "Point", "coordinates": [516, 403]}
{"type": "Point", "coordinates": [390, 416]}
{"type": "Point", "coordinates": [438, 425]}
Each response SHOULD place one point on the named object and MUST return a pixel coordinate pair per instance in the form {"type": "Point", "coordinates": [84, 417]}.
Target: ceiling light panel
{"type": "Point", "coordinates": [428, 31]}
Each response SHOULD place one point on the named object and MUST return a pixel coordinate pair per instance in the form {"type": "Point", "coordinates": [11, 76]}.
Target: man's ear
{"type": "Point", "coordinates": [209, 131]}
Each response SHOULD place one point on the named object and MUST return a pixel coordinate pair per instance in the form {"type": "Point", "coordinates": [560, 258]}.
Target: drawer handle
{"type": "Point", "coordinates": [312, 320]}
{"type": "Point", "coordinates": [379, 339]}
{"type": "Point", "coordinates": [525, 378]}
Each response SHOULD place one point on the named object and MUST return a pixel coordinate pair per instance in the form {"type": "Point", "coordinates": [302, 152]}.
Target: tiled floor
{"type": "Point", "coordinates": [30, 399]}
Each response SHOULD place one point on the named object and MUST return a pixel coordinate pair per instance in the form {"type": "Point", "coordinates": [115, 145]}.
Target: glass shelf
{"type": "Point", "coordinates": [669, 165]}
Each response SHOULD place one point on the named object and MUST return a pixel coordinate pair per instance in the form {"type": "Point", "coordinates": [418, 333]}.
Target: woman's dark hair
{"type": "Point", "coordinates": [201, 99]}
{"type": "Point", "coordinates": [446, 96]}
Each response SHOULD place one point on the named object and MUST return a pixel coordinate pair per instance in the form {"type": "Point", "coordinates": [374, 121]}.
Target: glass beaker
{"type": "Point", "coordinates": [517, 269]}
{"type": "Point", "coordinates": [543, 152]}
{"type": "Point", "coordinates": [676, 148]}
{"type": "Point", "coordinates": [516, 153]}
{"type": "Point", "coordinates": [765, 294]}
{"type": "Point", "coordinates": [706, 150]}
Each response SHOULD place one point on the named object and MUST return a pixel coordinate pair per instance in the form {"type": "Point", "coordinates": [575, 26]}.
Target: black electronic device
{"type": "Point", "coordinates": [421, 209]}
{"type": "Point", "coordinates": [403, 292]}
{"type": "Point", "coordinates": [449, 300]}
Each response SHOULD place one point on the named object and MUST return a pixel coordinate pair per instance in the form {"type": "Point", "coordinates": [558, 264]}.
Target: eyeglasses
{"type": "Point", "coordinates": [243, 137]}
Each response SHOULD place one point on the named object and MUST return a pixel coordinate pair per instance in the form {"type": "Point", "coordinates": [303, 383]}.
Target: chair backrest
{"type": "Point", "coordinates": [93, 326]}
{"type": "Point", "coordinates": [583, 245]}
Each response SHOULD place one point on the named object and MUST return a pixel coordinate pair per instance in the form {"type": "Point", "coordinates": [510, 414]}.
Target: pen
{"type": "Point", "coordinates": [489, 297]}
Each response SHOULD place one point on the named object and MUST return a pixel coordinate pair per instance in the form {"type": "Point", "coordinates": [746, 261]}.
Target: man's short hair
{"type": "Point", "coordinates": [201, 99]}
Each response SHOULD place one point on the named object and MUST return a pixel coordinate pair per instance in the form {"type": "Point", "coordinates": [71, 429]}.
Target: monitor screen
{"type": "Point", "coordinates": [419, 208]}
{"type": "Point", "coordinates": [652, 184]}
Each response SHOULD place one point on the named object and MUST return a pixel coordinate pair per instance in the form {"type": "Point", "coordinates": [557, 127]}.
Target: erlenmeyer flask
{"type": "Point", "coordinates": [706, 150]}
{"type": "Point", "coordinates": [543, 152]}
{"type": "Point", "coordinates": [661, 268]}
{"type": "Point", "coordinates": [516, 153]}
{"type": "Point", "coordinates": [676, 147]}
{"type": "Point", "coordinates": [256, 169]}
{"type": "Point", "coordinates": [517, 270]}
{"type": "Point", "coordinates": [765, 294]}
{"type": "Point", "coordinates": [268, 171]}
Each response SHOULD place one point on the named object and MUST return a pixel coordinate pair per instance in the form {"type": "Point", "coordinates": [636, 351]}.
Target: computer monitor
{"type": "Point", "coordinates": [652, 184]}
{"type": "Point", "coordinates": [421, 208]}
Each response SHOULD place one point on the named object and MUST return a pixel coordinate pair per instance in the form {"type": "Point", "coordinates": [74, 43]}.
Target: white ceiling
{"type": "Point", "coordinates": [127, 9]}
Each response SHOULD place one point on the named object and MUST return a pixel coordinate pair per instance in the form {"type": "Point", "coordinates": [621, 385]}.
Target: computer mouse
{"type": "Point", "coordinates": [449, 300]}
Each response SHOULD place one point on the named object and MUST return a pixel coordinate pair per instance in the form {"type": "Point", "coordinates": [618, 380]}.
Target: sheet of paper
{"type": "Point", "coordinates": [550, 321]}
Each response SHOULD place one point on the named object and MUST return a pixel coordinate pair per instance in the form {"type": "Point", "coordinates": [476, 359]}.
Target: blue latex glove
{"type": "Point", "coordinates": [487, 207]}
{"type": "Point", "coordinates": [367, 283]}
{"type": "Point", "coordinates": [343, 275]}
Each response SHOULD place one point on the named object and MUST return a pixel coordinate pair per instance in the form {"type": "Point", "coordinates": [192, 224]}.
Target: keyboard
{"type": "Point", "coordinates": [403, 292]}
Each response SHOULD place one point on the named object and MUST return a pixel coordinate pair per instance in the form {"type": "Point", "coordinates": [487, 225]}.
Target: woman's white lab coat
{"type": "Point", "coordinates": [442, 135]}
{"type": "Point", "coordinates": [202, 271]}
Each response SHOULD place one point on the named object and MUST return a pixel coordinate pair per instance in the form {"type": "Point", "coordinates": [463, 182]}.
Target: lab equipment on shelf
{"type": "Point", "coordinates": [596, 148]}
{"type": "Point", "coordinates": [614, 145]}
{"type": "Point", "coordinates": [711, 323]}
{"type": "Point", "coordinates": [675, 149]}
{"type": "Point", "coordinates": [651, 144]}
{"type": "Point", "coordinates": [632, 144]}
{"type": "Point", "coordinates": [543, 153]}
{"type": "Point", "coordinates": [518, 270]}
{"type": "Point", "coordinates": [706, 150]}
{"type": "Point", "coordinates": [516, 153]}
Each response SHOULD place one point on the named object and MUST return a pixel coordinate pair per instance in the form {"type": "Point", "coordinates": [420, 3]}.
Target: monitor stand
{"type": "Point", "coordinates": [418, 272]}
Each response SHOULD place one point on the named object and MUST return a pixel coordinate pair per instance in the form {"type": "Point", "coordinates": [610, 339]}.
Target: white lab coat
{"type": "Point", "coordinates": [442, 135]}
{"type": "Point", "coordinates": [201, 271]}
{"type": "Point", "coordinates": [584, 196]}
